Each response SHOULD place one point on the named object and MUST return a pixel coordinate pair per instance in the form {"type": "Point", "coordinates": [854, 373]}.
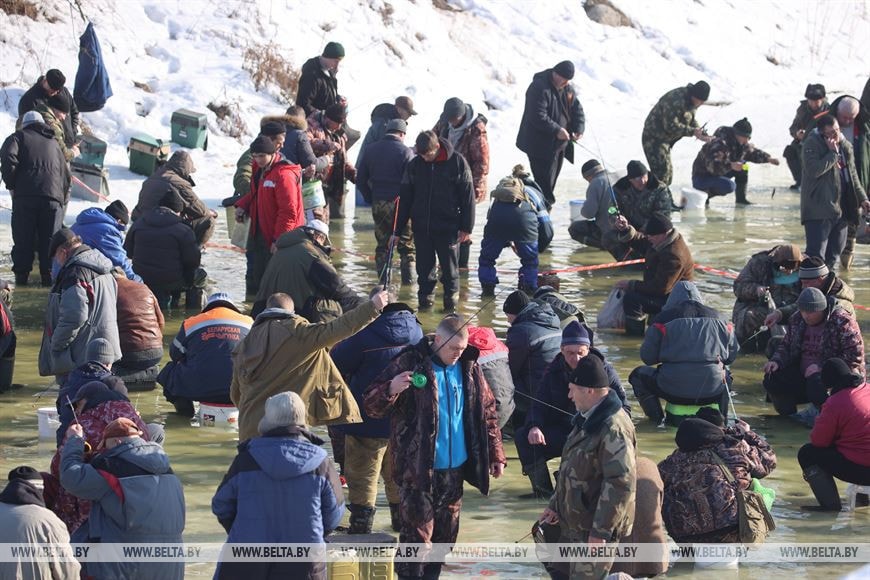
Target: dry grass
{"type": "Point", "coordinates": [20, 8]}
{"type": "Point", "coordinates": [266, 65]}
{"type": "Point", "coordinates": [229, 119]}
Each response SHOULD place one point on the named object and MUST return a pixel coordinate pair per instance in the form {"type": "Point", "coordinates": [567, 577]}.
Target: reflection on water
{"type": "Point", "coordinates": [723, 237]}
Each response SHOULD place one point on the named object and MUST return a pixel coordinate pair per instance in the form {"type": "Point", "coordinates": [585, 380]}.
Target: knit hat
{"type": "Point", "coordinates": [700, 90]}
{"type": "Point", "coordinates": [515, 302]}
{"type": "Point", "coordinates": [122, 427]}
{"type": "Point", "coordinates": [453, 107]}
{"type": "Point", "coordinates": [59, 101]}
{"type": "Point", "coordinates": [711, 415]}
{"type": "Point", "coordinates": [812, 300]}
{"type": "Point", "coordinates": [591, 167]}
{"type": "Point", "coordinates": [658, 224]}
{"type": "Point", "coordinates": [99, 350]}
{"type": "Point", "coordinates": [272, 128]}
{"type": "Point", "coordinates": [590, 373]}
{"type": "Point", "coordinates": [565, 69]}
{"type": "Point", "coordinates": [282, 410]}
{"type": "Point", "coordinates": [24, 472]}
{"type": "Point", "coordinates": [318, 226]}
{"type": "Point", "coordinates": [575, 333]}
{"type": "Point", "coordinates": [636, 169]}
{"type": "Point", "coordinates": [694, 433]}
{"type": "Point", "coordinates": [171, 200]}
{"type": "Point", "coordinates": [55, 79]}
{"type": "Point", "coordinates": [743, 128]}
{"type": "Point", "coordinates": [31, 117]}
{"type": "Point", "coordinates": [787, 253]}
{"type": "Point", "coordinates": [336, 112]}
{"type": "Point", "coordinates": [406, 103]}
{"type": "Point", "coordinates": [119, 211]}
{"type": "Point", "coordinates": [333, 50]}
{"type": "Point", "coordinates": [837, 375]}
{"type": "Point", "coordinates": [89, 390]}
{"type": "Point", "coordinates": [263, 145]}
{"type": "Point", "coordinates": [60, 237]}
{"type": "Point", "coordinates": [397, 126]}
{"type": "Point", "coordinates": [815, 91]}
{"type": "Point", "coordinates": [219, 299]}
{"type": "Point", "coordinates": [813, 267]}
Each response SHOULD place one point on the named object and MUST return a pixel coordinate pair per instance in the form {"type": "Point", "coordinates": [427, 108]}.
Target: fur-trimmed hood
{"type": "Point", "coordinates": [289, 120]}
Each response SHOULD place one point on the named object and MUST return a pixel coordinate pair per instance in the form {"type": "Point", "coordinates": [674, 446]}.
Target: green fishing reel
{"type": "Point", "coordinates": [613, 210]}
{"type": "Point", "coordinates": [419, 380]}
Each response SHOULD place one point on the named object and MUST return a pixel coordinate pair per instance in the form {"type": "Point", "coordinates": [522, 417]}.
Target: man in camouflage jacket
{"type": "Point", "coordinates": [812, 106]}
{"type": "Point", "coordinates": [595, 494]}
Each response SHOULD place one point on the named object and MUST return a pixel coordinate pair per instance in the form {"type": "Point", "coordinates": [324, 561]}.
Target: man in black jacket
{"type": "Point", "coordinates": [37, 175]}
{"type": "Point", "coordinates": [318, 85]}
{"type": "Point", "coordinates": [45, 87]}
{"type": "Point", "coordinates": [437, 195]}
{"type": "Point", "coordinates": [552, 119]}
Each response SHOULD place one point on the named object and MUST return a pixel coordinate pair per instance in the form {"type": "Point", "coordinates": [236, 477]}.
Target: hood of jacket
{"type": "Point", "coordinates": [181, 163]}
{"type": "Point", "coordinates": [289, 120]}
{"type": "Point", "coordinates": [285, 457]}
{"type": "Point", "coordinates": [539, 314]}
{"type": "Point", "coordinates": [96, 393]}
{"type": "Point", "coordinates": [694, 434]}
{"type": "Point", "coordinates": [96, 215]}
{"type": "Point", "coordinates": [294, 238]}
{"type": "Point", "coordinates": [90, 258]}
{"type": "Point", "coordinates": [398, 326]}
{"type": "Point", "coordinates": [22, 492]}
{"type": "Point", "coordinates": [160, 217]}
{"type": "Point", "coordinates": [683, 292]}
{"type": "Point", "coordinates": [145, 455]}
{"type": "Point", "coordinates": [41, 129]}
{"type": "Point", "coordinates": [483, 339]}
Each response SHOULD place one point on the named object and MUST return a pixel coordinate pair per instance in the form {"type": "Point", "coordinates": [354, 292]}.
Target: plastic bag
{"type": "Point", "coordinates": [612, 316]}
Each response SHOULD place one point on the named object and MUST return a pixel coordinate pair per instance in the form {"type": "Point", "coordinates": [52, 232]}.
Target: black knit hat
{"type": "Point", "coordinates": [694, 433]}
{"type": "Point", "coordinates": [60, 237]}
{"type": "Point", "coordinates": [700, 90]}
{"type": "Point", "coordinates": [658, 224]}
{"type": "Point", "coordinates": [24, 472]}
{"type": "Point", "coordinates": [171, 200]}
{"type": "Point", "coordinates": [336, 112]}
{"type": "Point", "coordinates": [55, 79]}
{"type": "Point", "coordinates": [815, 91]}
{"type": "Point", "coordinates": [590, 373]}
{"type": "Point", "coordinates": [711, 415]}
{"type": "Point", "coordinates": [333, 50]}
{"type": "Point", "coordinates": [263, 145]}
{"type": "Point", "coordinates": [837, 375]}
{"type": "Point", "coordinates": [636, 169]}
{"type": "Point", "coordinates": [591, 167]}
{"type": "Point", "coordinates": [743, 128]}
{"type": "Point", "coordinates": [565, 69]}
{"type": "Point", "coordinates": [515, 302]}
{"type": "Point", "coordinates": [272, 128]}
{"type": "Point", "coordinates": [119, 211]}
{"type": "Point", "coordinates": [60, 101]}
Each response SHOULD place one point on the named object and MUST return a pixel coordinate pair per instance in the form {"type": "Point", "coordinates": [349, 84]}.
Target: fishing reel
{"type": "Point", "coordinates": [418, 378]}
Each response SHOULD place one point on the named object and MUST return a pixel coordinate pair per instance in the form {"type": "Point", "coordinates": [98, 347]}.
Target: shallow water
{"type": "Point", "coordinates": [723, 238]}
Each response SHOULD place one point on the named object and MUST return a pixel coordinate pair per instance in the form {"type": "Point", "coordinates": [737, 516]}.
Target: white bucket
{"type": "Point", "coordinates": [218, 415]}
{"type": "Point", "coordinates": [312, 194]}
{"type": "Point", "coordinates": [693, 199]}
{"type": "Point", "coordinates": [576, 207]}
{"type": "Point", "coordinates": [48, 422]}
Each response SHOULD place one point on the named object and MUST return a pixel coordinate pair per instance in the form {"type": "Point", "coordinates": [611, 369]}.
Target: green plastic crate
{"type": "Point", "coordinates": [146, 153]}
{"type": "Point", "coordinates": [92, 151]}
{"type": "Point", "coordinates": [189, 129]}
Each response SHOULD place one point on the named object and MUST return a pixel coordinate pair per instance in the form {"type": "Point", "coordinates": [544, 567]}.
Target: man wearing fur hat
{"type": "Point", "coordinates": [724, 158]}
{"type": "Point", "coordinates": [813, 105]}
{"type": "Point", "coordinates": [552, 119]}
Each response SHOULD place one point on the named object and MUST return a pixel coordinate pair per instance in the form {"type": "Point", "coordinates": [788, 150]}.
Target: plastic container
{"type": "Point", "coordinates": [312, 194]}
{"type": "Point", "coordinates": [355, 568]}
{"type": "Point", "coordinates": [693, 199]}
{"type": "Point", "coordinates": [218, 415]}
{"type": "Point", "coordinates": [676, 413]}
{"type": "Point", "coordinates": [189, 129]}
{"type": "Point", "coordinates": [91, 182]}
{"type": "Point", "coordinates": [576, 206]}
{"type": "Point", "coordinates": [48, 422]}
{"type": "Point", "coordinates": [92, 151]}
{"type": "Point", "coordinates": [146, 153]}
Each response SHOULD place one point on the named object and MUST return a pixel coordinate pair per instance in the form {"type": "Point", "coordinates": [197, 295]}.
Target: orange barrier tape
{"type": "Point", "coordinates": [595, 267]}
{"type": "Point", "coordinates": [91, 191]}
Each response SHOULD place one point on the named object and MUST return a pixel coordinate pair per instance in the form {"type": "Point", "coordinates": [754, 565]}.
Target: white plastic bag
{"type": "Point", "coordinates": [239, 236]}
{"type": "Point", "coordinates": [612, 316]}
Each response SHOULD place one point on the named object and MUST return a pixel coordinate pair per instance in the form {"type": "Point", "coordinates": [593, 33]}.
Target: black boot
{"type": "Point", "coordinates": [450, 303]}
{"type": "Point", "coordinates": [824, 488]}
{"type": "Point", "coordinates": [652, 407]}
{"type": "Point", "coordinates": [395, 517]}
{"type": "Point", "coordinates": [336, 208]}
{"type": "Point", "coordinates": [487, 290]}
{"type": "Point", "coordinates": [741, 181]}
{"type": "Point", "coordinates": [21, 278]}
{"type": "Point", "coordinates": [432, 571]}
{"type": "Point", "coordinates": [45, 279]}
{"type": "Point", "coordinates": [361, 519]}
{"type": "Point", "coordinates": [539, 476]}
{"type": "Point", "coordinates": [407, 268]}
{"type": "Point", "coordinates": [464, 253]}
{"type": "Point", "coordinates": [635, 326]}
{"type": "Point", "coordinates": [193, 299]}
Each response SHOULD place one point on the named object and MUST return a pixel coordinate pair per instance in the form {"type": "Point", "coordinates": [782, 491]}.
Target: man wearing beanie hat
{"type": "Point", "coordinates": [273, 206]}
{"type": "Point", "coordinates": [38, 177]}
{"type": "Point", "coordinates": [639, 196]}
{"type": "Point", "coordinates": [596, 208]}
{"type": "Point", "coordinates": [327, 131]}
{"type": "Point", "coordinates": [318, 85]}
{"type": "Point", "coordinates": [772, 273]}
{"type": "Point", "coordinates": [103, 230]}
{"type": "Point", "coordinates": [165, 254]}
{"type": "Point", "coordinates": [692, 345]}
{"type": "Point", "coordinates": [720, 166]}
{"type": "Point", "coordinates": [599, 463]}
{"type": "Point", "coordinates": [201, 368]}
{"type": "Point", "coordinates": [840, 440]}
{"type": "Point", "coordinates": [56, 110]}
{"type": "Point", "coordinates": [402, 108]}
{"type": "Point", "coordinates": [668, 261]}
{"type": "Point", "coordinates": [284, 461]}
{"type": "Point", "coordinates": [818, 331]}
{"type": "Point", "coordinates": [548, 139]}
{"type": "Point", "coordinates": [545, 430]}
{"type": "Point", "coordinates": [533, 341]}
{"type": "Point", "coordinates": [37, 96]}
{"type": "Point", "coordinates": [814, 104]}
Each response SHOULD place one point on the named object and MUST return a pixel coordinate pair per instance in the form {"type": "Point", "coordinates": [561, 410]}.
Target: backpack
{"type": "Point", "coordinates": [92, 88]}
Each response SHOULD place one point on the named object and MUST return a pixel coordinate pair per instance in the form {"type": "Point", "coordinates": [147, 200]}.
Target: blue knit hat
{"type": "Point", "coordinates": [574, 333]}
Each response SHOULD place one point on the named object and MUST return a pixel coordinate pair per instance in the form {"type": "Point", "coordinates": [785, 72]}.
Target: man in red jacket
{"type": "Point", "coordinates": [274, 205]}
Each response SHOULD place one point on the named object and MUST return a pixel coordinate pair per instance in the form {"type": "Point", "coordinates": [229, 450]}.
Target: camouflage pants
{"type": "Point", "coordinates": [851, 236]}
{"type": "Point", "coordinates": [658, 155]}
{"type": "Point", "coordinates": [430, 517]}
{"type": "Point", "coordinates": [582, 569]}
{"type": "Point", "coordinates": [383, 213]}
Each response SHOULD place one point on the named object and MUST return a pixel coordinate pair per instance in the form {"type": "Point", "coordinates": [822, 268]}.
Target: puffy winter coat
{"type": "Point", "coordinates": [473, 144]}
{"type": "Point", "coordinates": [140, 321]}
{"type": "Point", "coordinates": [545, 224]}
{"type": "Point", "coordinates": [515, 222]}
{"type": "Point", "coordinates": [361, 358]}
{"type": "Point", "coordinates": [547, 110]}
{"type": "Point", "coordinates": [715, 157]}
{"type": "Point", "coordinates": [437, 197]}
{"type": "Point", "coordinates": [823, 195]}
{"type": "Point", "coordinates": [380, 170]}
{"type": "Point", "coordinates": [174, 175]}
{"type": "Point", "coordinates": [283, 352]}
{"type": "Point", "coordinates": [414, 421]}
{"type": "Point", "coordinates": [760, 272]}
{"type": "Point", "coordinates": [297, 146]}
{"type": "Point", "coordinates": [275, 200]}
{"type": "Point", "coordinates": [843, 422]}
{"type": "Point", "coordinates": [692, 345]}
{"type": "Point", "coordinates": [202, 365]}
{"type": "Point", "coordinates": [33, 165]}
{"type": "Point", "coordinates": [493, 361]}
{"type": "Point", "coordinates": [639, 206]}
{"type": "Point", "coordinates": [81, 307]}
{"type": "Point", "coordinates": [804, 117]}
{"type": "Point", "coordinates": [102, 232]}
{"type": "Point", "coordinates": [666, 263]}
{"type": "Point", "coordinates": [136, 499]}
{"type": "Point", "coordinates": [163, 249]}
{"type": "Point", "coordinates": [381, 115]}
{"type": "Point", "coordinates": [560, 305]}
{"type": "Point", "coordinates": [599, 200]}
{"type": "Point", "coordinates": [533, 340]}
{"type": "Point", "coordinates": [330, 147]}
{"type": "Point", "coordinates": [318, 89]}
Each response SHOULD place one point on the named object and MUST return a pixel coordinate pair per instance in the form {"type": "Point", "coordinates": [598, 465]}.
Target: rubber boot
{"type": "Point", "coordinates": [336, 208]}
{"type": "Point", "coordinates": [846, 261]}
{"type": "Point", "coordinates": [824, 488]}
{"type": "Point", "coordinates": [45, 279]}
{"type": "Point", "coordinates": [652, 407]}
{"type": "Point", "coordinates": [487, 290]}
{"type": "Point", "coordinates": [425, 302]}
{"type": "Point", "coordinates": [193, 299]}
{"type": "Point", "coordinates": [464, 253]}
{"type": "Point", "coordinates": [7, 368]}
{"type": "Point", "coordinates": [539, 477]}
{"type": "Point", "coordinates": [361, 519]}
{"type": "Point", "coordinates": [635, 326]}
{"type": "Point", "coordinates": [450, 303]}
{"type": "Point", "coordinates": [741, 181]}
{"type": "Point", "coordinates": [407, 267]}
{"type": "Point", "coordinates": [395, 517]}
{"type": "Point", "coordinates": [432, 571]}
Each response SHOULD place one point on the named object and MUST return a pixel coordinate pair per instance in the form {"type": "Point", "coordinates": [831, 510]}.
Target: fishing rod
{"type": "Point", "coordinates": [87, 445]}
{"type": "Point", "coordinates": [388, 267]}
{"type": "Point", "coordinates": [614, 210]}
{"type": "Point", "coordinates": [535, 399]}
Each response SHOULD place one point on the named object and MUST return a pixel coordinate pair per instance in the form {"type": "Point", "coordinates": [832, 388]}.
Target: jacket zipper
{"type": "Point", "coordinates": [449, 421]}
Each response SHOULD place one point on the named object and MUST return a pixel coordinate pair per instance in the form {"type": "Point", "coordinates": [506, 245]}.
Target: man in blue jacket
{"type": "Point", "coordinates": [360, 359]}
{"type": "Point", "coordinates": [281, 488]}
{"type": "Point", "coordinates": [103, 230]}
